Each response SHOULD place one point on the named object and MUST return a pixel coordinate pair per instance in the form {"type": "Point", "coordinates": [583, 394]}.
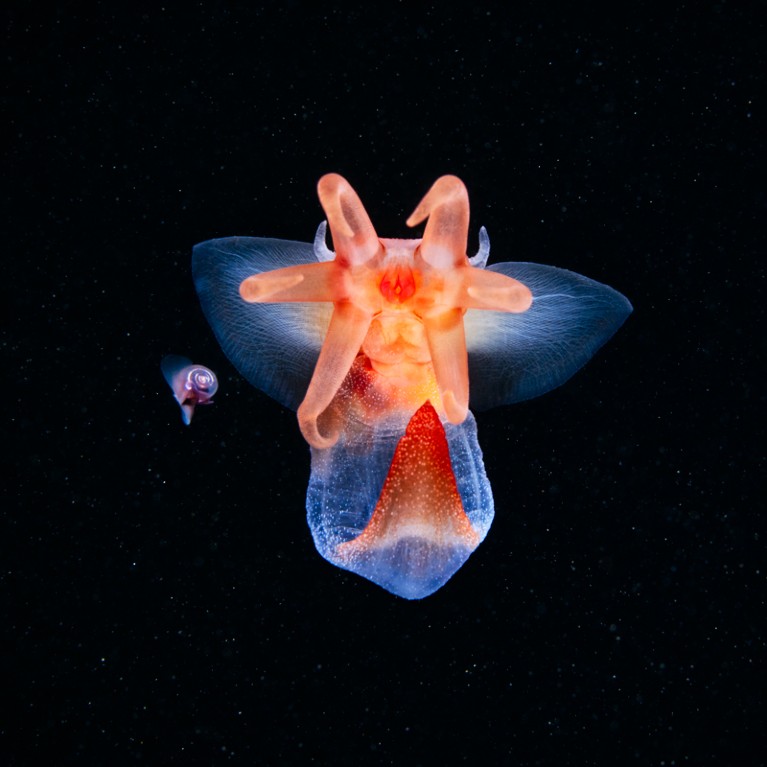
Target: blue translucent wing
{"type": "Point", "coordinates": [172, 365]}
{"type": "Point", "coordinates": [275, 346]}
{"type": "Point", "coordinates": [514, 357]}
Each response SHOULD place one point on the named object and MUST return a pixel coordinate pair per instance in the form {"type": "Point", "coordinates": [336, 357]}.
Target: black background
{"type": "Point", "coordinates": [162, 599]}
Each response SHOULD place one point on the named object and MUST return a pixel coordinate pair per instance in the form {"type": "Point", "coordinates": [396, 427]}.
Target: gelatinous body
{"type": "Point", "coordinates": [382, 347]}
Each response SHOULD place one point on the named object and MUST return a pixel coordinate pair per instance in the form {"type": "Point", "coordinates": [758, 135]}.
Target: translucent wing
{"type": "Point", "coordinates": [275, 346]}
{"type": "Point", "coordinates": [514, 357]}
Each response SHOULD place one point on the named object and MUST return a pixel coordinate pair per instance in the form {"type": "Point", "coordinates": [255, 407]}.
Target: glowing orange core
{"type": "Point", "coordinates": [398, 284]}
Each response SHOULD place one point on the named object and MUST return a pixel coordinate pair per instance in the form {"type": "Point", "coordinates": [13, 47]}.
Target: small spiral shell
{"type": "Point", "coordinates": [201, 380]}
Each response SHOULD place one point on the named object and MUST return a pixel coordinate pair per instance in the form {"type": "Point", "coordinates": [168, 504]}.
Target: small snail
{"type": "Point", "coordinates": [192, 384]}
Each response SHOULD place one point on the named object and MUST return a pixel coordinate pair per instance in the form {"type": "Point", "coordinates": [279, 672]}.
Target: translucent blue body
{"type": "Point", "coordinates": [512, 357]}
